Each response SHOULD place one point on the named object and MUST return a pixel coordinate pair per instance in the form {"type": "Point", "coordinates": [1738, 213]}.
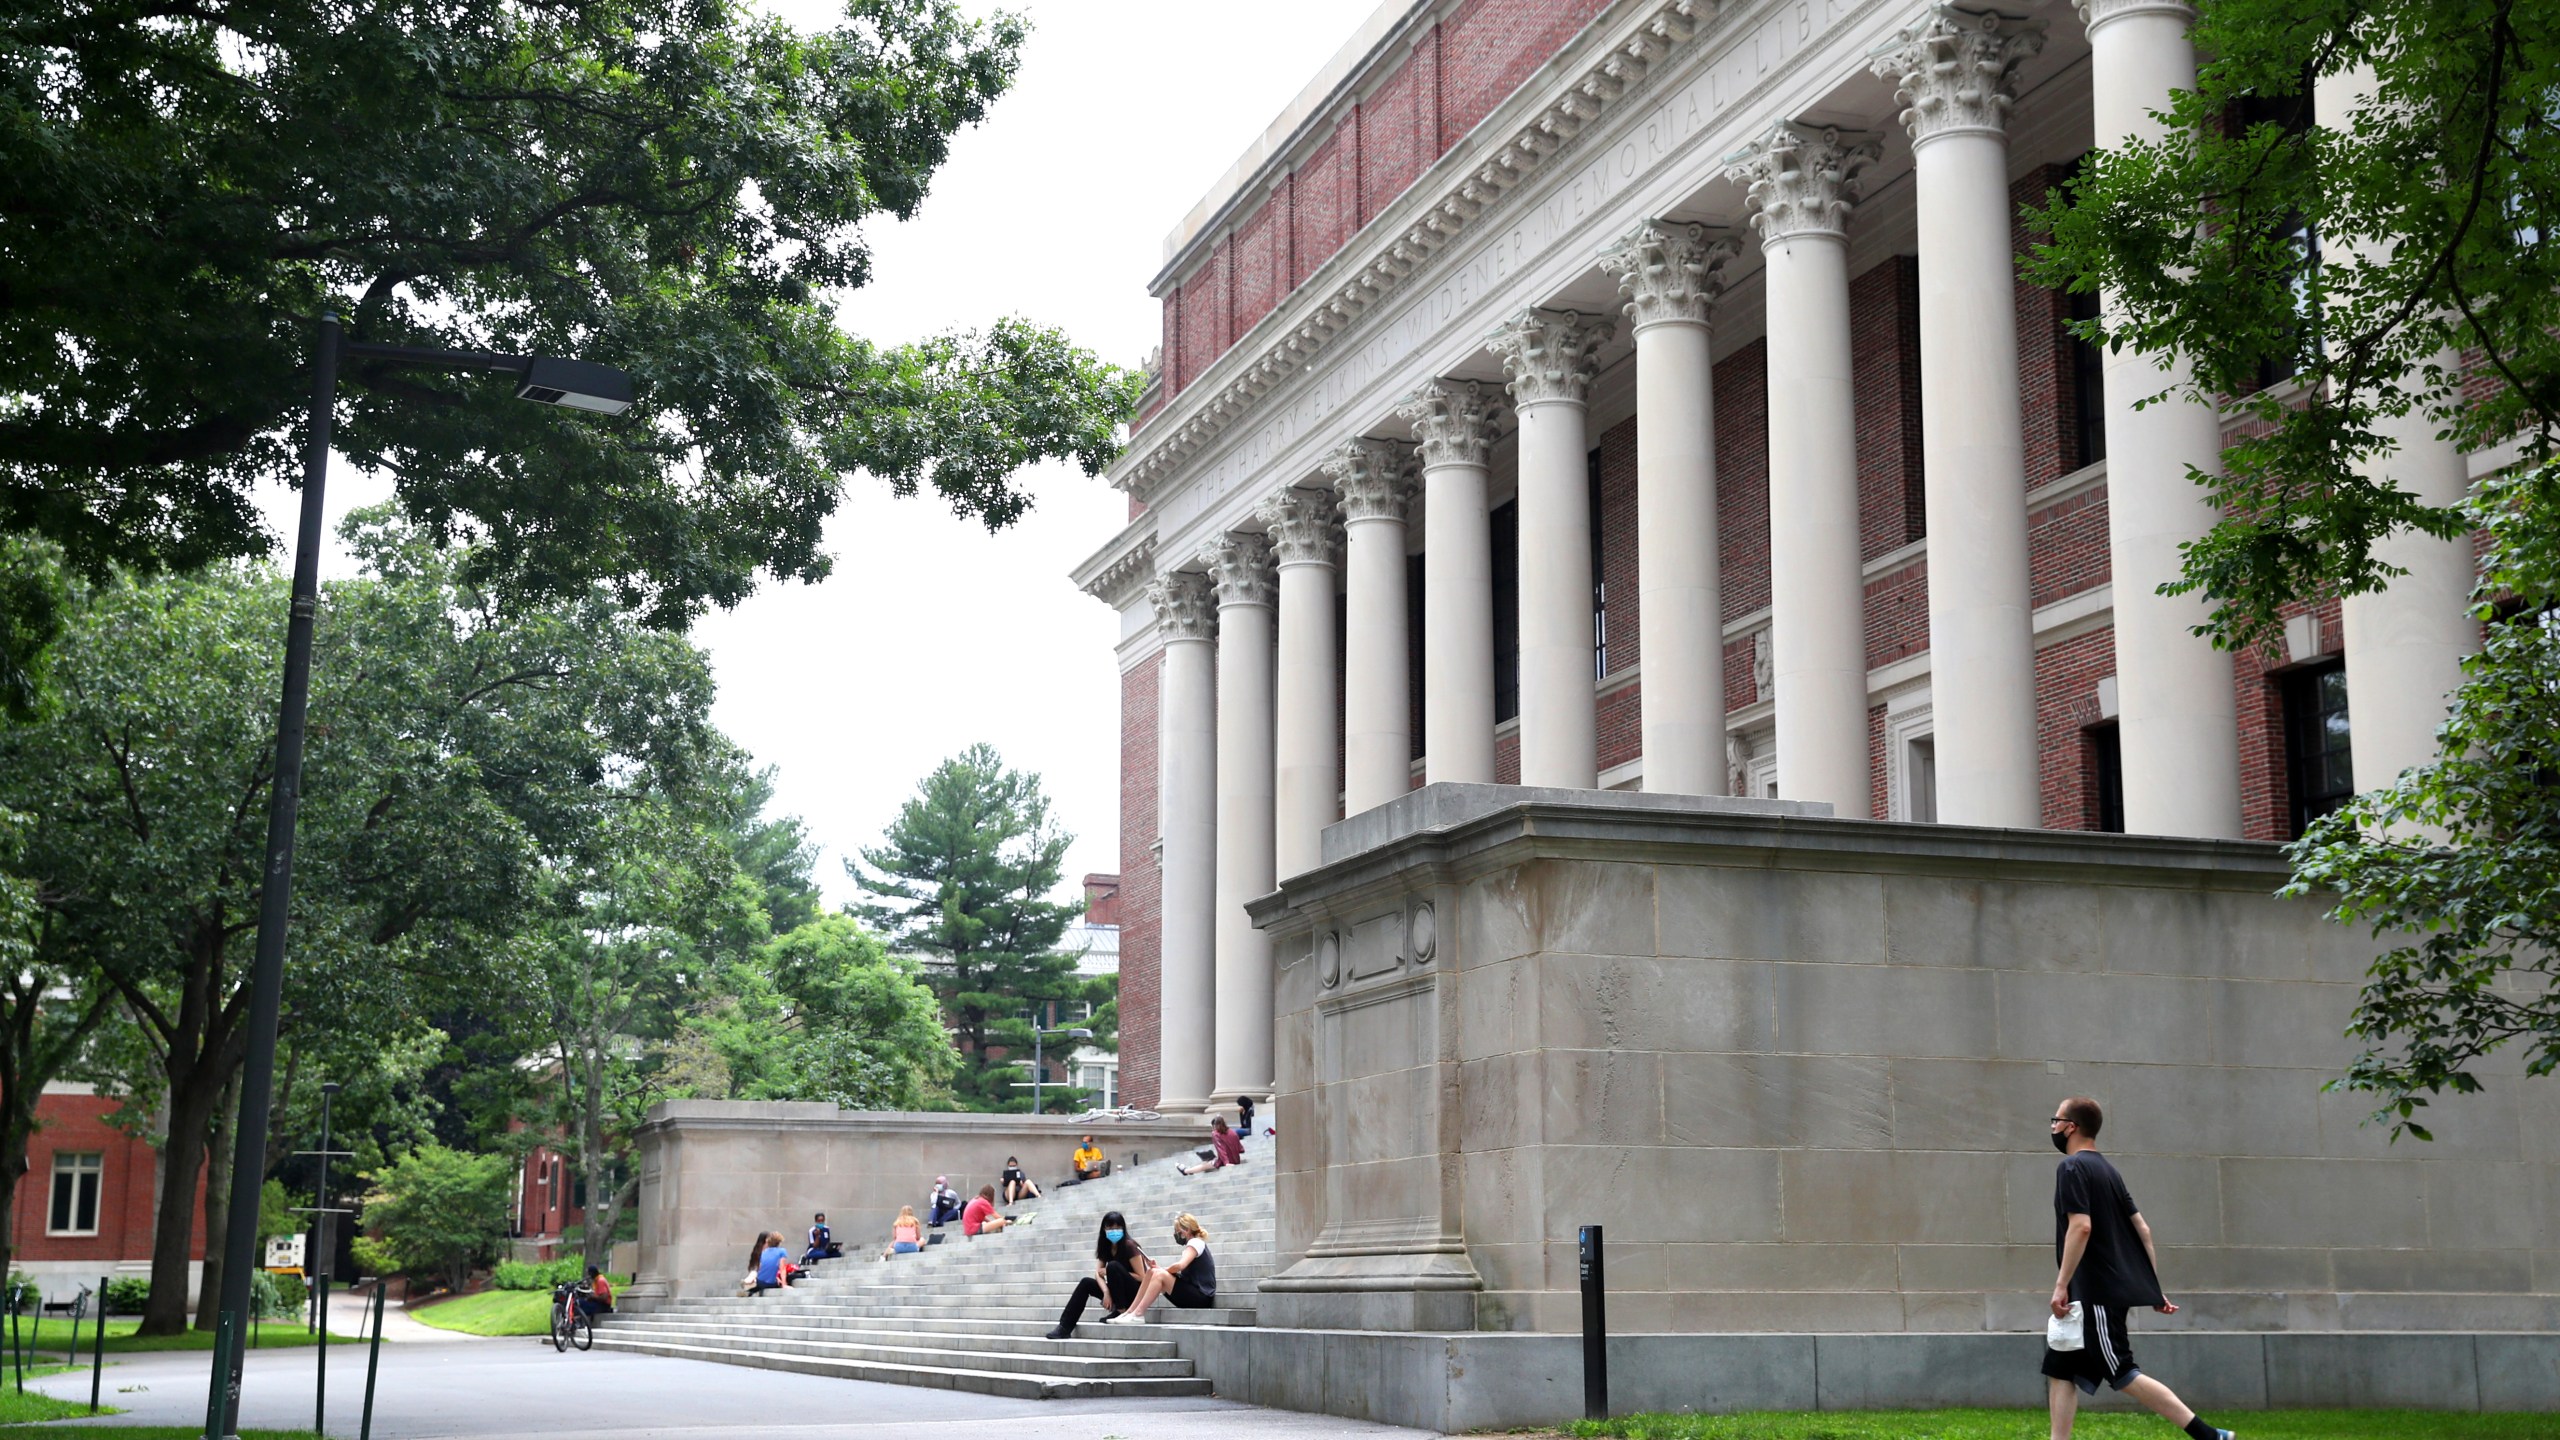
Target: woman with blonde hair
{"type": "Point", "coordinates": [906, 1233]}
{"type": "Point", "coordinates": [1189, 1280]}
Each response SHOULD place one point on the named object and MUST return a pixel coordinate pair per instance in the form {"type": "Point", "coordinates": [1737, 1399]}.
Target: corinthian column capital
{"type": "Point", "coordinates": [1185, 610]}
{"type": "Point", "coordinates": [1669, 273]}
{"type": "Point", "coordinates": [1804, 181]}
{"type": "Point", "coordinates": [1454, 421]}
{"type": "Point", "coordinates": [1374, 478]}
{"type": "Point", "coordinates": [1957, 69]}
{"type": "Point", "coordinates": [1304, 526]}
{"type": "Point", "coordinates": [1240, 567]}
{"type": "Point", "coordinates": [1551, 354]}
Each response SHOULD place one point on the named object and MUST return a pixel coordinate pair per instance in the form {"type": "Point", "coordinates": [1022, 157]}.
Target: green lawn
{"type": "Point", "coordinates": [496, 1312]}
{"type": "Point", "coordinates": [2031, 1425]}
{"type": "Point", "coordinates": [53, 1335]}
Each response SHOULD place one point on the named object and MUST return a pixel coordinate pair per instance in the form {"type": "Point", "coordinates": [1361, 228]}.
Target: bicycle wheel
{"type": "Point", "coordinates": [582, 1332]}
{"type": "Point", "coordinates": [559, 1329]}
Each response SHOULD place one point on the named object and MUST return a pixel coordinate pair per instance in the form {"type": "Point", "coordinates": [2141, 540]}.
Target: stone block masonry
{"type": "Point", "coordinates": [1799, 1067]}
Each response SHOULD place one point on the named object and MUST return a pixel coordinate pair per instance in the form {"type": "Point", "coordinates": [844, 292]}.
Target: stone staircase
{"type": "Point", "coordinates": [974, 1314]}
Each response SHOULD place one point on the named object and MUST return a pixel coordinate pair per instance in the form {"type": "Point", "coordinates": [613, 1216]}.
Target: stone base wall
{"type": "Point", "coordinates": [714, 1172]}
{"type": "Point", "coordinates": [1471, 1382]}
{"type": "Point", "coordinates": [1800, 1069]}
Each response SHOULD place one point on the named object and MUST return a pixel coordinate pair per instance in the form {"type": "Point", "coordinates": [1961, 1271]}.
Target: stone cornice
{"type": "Point", "coordinates": [1802, 180]}
{"type": "Point", "coordinates": [1454, 421]}
{"type": "Point", "coordinates": [1118, 571]}
{"type": "Point", "coordinates": [1668, 273]}
{"type": "Point", "coordinates": [1449, 197]}
{"type": "Point", "coordinates": [1956, 69]}
{"type": "Point", "coordinates": [1551, 355]}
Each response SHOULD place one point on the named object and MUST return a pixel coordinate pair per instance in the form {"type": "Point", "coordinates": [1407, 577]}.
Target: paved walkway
{"type": "Point", "coordinates": [483, 1389]}
{"type": "Point", "coordinates": [353, 1315]}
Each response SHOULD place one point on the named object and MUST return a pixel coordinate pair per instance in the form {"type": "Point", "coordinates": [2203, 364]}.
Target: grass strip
{"type": "Point", "coordinates": [2032, 1425]}
{"type": "Point", "coordinates": [54, 1335]}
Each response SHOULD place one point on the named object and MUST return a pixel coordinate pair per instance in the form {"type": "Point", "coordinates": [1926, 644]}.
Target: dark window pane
{"type": "Point", "coordinates": [2106, 754]}
{"type": "Point", "coordinates": [2319, 755]}
{"type": "Point", "coordinates": [1506, 611]}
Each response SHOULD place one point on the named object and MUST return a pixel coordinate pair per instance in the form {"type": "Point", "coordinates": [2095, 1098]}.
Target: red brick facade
{"type": "Point", "coordinates": [84, 1125]}
{"type": "Point", "coordinates": [1141, 884]}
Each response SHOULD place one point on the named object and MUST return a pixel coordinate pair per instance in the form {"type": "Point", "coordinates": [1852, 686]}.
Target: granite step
{"type": "Point", "coordinates": [977, 1381]}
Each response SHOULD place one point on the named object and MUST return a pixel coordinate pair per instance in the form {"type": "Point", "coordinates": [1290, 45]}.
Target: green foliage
{"type": "Point", "coordinates": [2432, 202]}
{"type": "Point", "coordinates": [127, 1294]}
{"type": "Point", "coordinates": [962, 882]}
{"type": "Point", "coordinates": [674, 189]}
{"type": "Point", "coordinates": [20, 1291]}
{"type": "Point", "coordinates": [373, 1255]}
{"type": "Point", "coordinates": [491, 1312]}
{"type": "Point", "coordinates": [2457, 864]}
{"type": "Point", "coordinates": [33, 597]}
{"type": "Point", "coordinates": [539, 1275]}
{"type": "Point", "coordinates": [440, 1211]}
{"type": "Point", "coordinates": [823, 1012]}
{"type": "Point", "coordinates": [292, 1293]}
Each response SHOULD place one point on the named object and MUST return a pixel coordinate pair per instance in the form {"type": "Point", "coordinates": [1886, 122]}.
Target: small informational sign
{"type": "Point", "coordinates": [284, 1252]}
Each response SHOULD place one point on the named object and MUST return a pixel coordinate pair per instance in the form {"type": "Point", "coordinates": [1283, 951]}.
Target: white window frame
{"type": "Point", "coordinates": [71, 1165]}
{"type": "Point", "coordinates": [1903, 724]}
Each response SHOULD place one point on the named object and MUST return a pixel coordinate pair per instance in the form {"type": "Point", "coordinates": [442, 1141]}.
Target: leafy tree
{"type": "Point", "coordinates": [47, 1016]}
{"type": "Point", "coordinates": [677, 189]}
{"type": "Point", "coordinates": [2397, 261]}
{"type": "Point", "coordinates": [32, 599]}
{"type": "Point", "coordinates": [963, 881]}
{"type": "Point", "coordinates": [823, 1012]}
{"type": "Point", "coordinates": [440, 1211]}
{"type": "Point", "coordinates": [452, 746]}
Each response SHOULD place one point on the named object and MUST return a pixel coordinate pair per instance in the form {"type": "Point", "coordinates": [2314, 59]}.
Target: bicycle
{"type": "Point", "coordinates": [569, 1324]}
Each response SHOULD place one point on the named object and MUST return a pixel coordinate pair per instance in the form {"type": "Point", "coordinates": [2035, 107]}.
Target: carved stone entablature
{"type": "Point", "coordinates": [1342, 289]}
{"type": "Point", "coordinates": [1957, 69]}
{"type": "Point", "coordinates": [1374, 478]}
{"type": "Point", "coordinates": [2094, 13]}
{"type": "Point", "coordinates": [1304, 525]}
{"type": "Point", "coordinates": [1185, 610]}
{"type": "Point", "coordinates": [1551, 354]}
{"type": "Point", "coordinates": [1669, 273]}
{"type": "Point", "coordinates": [1454, 421]}
{"type": "Point", "coordinates": [1119, 582]}
{"type": "Point", "coordinates": [1804, 181]}
{"type": "Point", "coordinates": [1240, 565]}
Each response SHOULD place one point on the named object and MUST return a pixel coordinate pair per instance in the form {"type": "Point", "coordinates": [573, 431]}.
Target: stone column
{"type": "Point", "coordinates": [1187, 803]}
{"type": "Point", "coordinates": [1306, 535]}
{"type": "Point", "coordinates": [1241, 568]}
{"type": "Point", "coordinates": [1805, 181]}
{"type": "Point", "coordinates": [2404, 643]}
{"type": "Point", "coordinates": [1671, 276]}
{"type": "Point", "coordinates": [2178, 715]}
{"type": "Point", "coordinates": [1551, 356]}
{"type": "Point", "coordinates": [1454, 422]}
{"type": "Point", "coordinates": [1957, 73]}
{"type": "Point", "coordinates": [1375, 479]}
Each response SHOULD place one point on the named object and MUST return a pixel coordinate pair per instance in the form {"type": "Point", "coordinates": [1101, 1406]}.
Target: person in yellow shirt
{"type": "Point", "coordinates": [1088, 1160]}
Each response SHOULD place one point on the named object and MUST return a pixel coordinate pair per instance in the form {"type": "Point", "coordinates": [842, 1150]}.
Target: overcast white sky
{"type": "Point", "coordinates": [933, 634]}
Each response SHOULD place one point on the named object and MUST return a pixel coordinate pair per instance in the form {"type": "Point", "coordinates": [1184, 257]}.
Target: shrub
{"type": "Point", "coordinates": [440, 1211]}
{"type": "Point", "coordinates": [539, 1274]}
{"type": "Point", "coordinates": [128, 1295]}
{"type": "Point", "coordinates": [22, 1292]}
{"type": "Point", "coordinates": [372, 1256]}
{"type": "Point", "coordinates": [292, 1293]}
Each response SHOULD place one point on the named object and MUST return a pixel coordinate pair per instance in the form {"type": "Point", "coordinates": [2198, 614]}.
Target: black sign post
{"type": "Point", "coordinates": [1595, 1329]}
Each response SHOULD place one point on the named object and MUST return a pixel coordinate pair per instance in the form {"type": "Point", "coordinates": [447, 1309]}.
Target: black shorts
{"type": "Point", "coordinates": [1189, 1294]}
{"type": "Point", "coordinates": [2105, 1355]}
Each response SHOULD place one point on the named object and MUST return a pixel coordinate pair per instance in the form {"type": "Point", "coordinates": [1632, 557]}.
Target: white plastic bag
{"type": "Point", "coordinates": [2065, 1331]}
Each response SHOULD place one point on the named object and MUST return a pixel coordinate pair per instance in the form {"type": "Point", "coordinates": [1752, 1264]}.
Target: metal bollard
{"type": "Point", "coordinates": [1595, 1328]}
{"type": "Point", "coordinates": [373, 1362]}
{"type": "Point", "coordinates": [98, 1365]}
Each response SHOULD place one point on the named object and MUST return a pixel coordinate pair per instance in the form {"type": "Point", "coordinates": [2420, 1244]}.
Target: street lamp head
{"type": "Point", "coordinates": [331, 1087]}
{"type": "Point", "coordinates": [575, 384]}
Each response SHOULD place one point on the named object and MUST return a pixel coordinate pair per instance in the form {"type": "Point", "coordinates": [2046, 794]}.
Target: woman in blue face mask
{"type": "Point", "coordinates": [1119, 1268]}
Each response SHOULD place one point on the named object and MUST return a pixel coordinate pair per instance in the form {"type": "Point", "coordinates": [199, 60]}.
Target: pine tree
{"type": "Point", "coordinates": [962, 883]}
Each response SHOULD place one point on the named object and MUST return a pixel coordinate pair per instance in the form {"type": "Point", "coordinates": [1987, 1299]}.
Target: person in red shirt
{"type": "Point", "coordinates": [979, 1215]}
{"type": "Point", "coordinates": [597, 1297]}
{"type": "Point", "coordinates": [1225, 1145]}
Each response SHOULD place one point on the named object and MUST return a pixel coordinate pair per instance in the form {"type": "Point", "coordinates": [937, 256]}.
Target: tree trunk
{"type": "Point", "coordinates": [181, 1162]}
{"type": "Point", "coordinates": [217, 1205]}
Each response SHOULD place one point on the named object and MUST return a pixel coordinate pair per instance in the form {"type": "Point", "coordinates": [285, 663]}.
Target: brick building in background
{"type": "Point", "coordinates": [1487, 210]}
{"type": "Point", "coordinates": [85, 1207]}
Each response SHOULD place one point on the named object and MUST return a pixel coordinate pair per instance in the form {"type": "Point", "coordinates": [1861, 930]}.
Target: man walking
{"type": "Point", "coordinates": [2108, 1266]}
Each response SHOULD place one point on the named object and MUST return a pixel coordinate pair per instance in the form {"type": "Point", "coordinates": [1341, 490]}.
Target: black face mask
{"type": "Point", "coordinates": [2061, 1142]}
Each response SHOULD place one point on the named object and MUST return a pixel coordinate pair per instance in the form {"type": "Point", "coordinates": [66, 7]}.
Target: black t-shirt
{"type": "Point", "coordinates": [1013, 1174]}
{"type": "Point", "coordinates": [2115, 1270]}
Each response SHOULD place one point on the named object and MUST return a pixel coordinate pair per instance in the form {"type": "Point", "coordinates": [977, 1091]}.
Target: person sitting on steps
{"type": "Point", "coordinates": [1225, 1145]}
{"type": "Point", "coordinates": [981, 1217]}
{"type": "Point", "coordinates": [1089, 1163]}
{"type": "Point", "coordinates": [1017, 1184]}
{"type": "Point", "coordinates": [906, 1233]}
{"type": "Point", "coordinates": [774, 1270]}
{"type": "Point", "coordinates": [596, 1297]}
{"type": "Point", "coordinates": [1190, 1279]}
{"type": "Point", "coordinates": [822, 1242]}
{"type": "Point", "coordinates": [1119, 1269]}
{"type": "Point", "coordinates": [944, 1205]}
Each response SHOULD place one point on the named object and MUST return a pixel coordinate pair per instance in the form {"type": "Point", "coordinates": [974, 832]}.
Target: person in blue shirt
{"type": "Point", "coordinates": [774, 1270]}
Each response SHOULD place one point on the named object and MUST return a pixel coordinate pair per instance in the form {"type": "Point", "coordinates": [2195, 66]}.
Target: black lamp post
{"type": "Point", "coordinates": [546, 380]}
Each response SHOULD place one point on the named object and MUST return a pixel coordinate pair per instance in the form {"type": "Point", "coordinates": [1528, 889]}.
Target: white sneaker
{"type": "Point", "coordinates": [1126, 1320]}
